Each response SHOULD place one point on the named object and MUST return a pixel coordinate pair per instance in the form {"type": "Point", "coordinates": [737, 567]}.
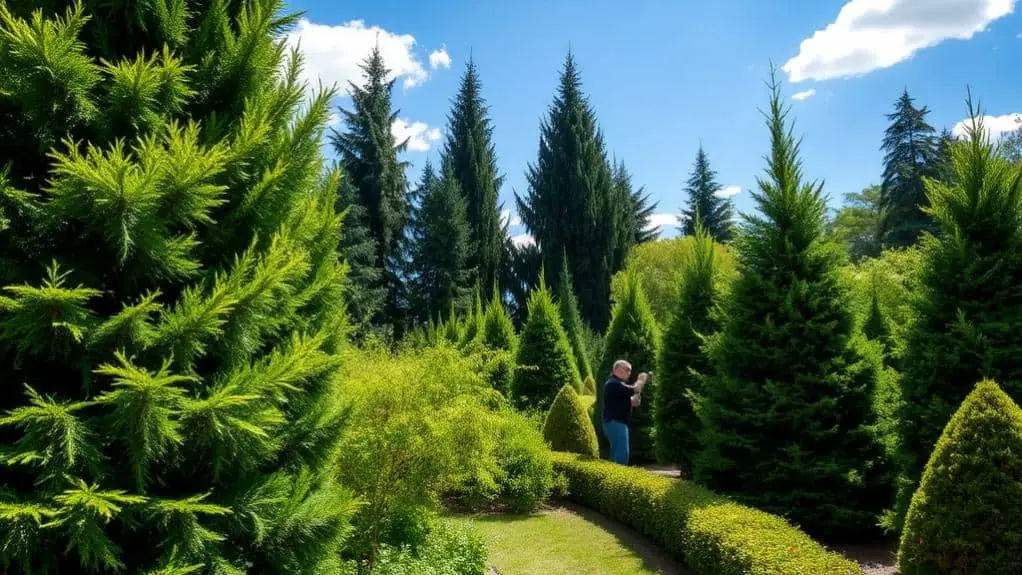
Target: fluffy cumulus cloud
{"type": "Point", "coordinates": [522, 240]}
{"type": "Point", "coordinates": [439, 59]}
{"type": "Point", "coordinates": [995, 126]}
{"type": "Point", "coordinates": [804, 94]}
{"type": "Point", "coordinates": [507, 219]}
{"type": "Point", "coordinates": [873, 34]}
{"type": "Point", "coordinates": [419, 135]}
{"type": "Point", "coordinates": [662, 220]}
{"type": "Point", "coordinates": [728, 191]}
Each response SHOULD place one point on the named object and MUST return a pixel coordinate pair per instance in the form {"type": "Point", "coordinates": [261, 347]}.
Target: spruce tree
{"type": "Point", "coordinates": [682, 364]}
{"type": "Point", "coordinates": [369, 154]}
{"type": "Point", "coordinates": [572, 206]}
{"type": "Point", "coordinates": [633, 335]}
{"type": "Point", "coordinates": [787, 412]}
{"type": "Point", "coordinates": [910, 153]}
{"type": "Point", "coordinates": [703, 203]}
{"type": "Point", "coordinates": [364, 292]}
{"type": "Point", "coordinates": [544, 362]}
{"type": "Point", "coordinates": [571, 320]}
{"type": "Point", "coordinates": [472, 158]}
{"type": "Point", "coordinates": [969, 312]}
{"type": "Point", "coordinates": [640, 212]}
{"type": "Point", "coordinates": [171, 317]}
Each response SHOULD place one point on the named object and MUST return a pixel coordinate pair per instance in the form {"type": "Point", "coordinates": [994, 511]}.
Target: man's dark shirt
{"type": "Point", "coordinates": [617, 400]}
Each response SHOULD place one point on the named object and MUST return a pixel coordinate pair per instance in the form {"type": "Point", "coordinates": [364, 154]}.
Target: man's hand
{"type": "Point", "coordinates": [636, 400]}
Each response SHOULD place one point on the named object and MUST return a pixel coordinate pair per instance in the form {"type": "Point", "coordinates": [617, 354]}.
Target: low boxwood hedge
{"type": "Point", "coordinates": [711, 534]}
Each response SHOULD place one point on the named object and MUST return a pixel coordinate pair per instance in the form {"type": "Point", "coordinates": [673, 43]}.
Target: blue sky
{"type": "Point", "coordinates": [664, 75]}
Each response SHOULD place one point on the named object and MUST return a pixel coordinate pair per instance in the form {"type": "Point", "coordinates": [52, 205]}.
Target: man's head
{"type": "Point", "coordinates": [622, 369]}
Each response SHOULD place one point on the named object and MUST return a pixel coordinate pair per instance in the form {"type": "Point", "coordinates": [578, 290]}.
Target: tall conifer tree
{"type": "Point", "coordinates": [703, 203]}
{"type": "Point", "coordinates": [571, 320]}
{"type": "Point", "coordinates": [364, 291]}
{"type": "Point", "coordinates": [910, 153]}
{"type": "Point", "coordinates": [641, 208]}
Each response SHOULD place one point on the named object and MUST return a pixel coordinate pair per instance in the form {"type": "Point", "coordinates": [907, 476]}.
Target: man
{"type": "Point", "coordinates": [619, 397]}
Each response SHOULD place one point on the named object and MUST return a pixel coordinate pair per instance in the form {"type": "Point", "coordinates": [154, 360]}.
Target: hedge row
{"type": "Point", "coordinates": [712, 535]}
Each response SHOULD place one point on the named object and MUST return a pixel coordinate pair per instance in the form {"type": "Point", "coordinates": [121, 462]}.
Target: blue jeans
{"type": "Point", "coordinates": [617, 436]}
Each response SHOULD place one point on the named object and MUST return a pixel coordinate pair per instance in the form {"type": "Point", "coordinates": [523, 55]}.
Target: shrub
{"type": "Point", "coordinates": [567, 426]}
{"type": "Point", "coordinates": [711, 534]}
{"type": "Point", "coordinates": [499, 334]}
{"type": "Point", "coordinates": [526, 466]}
{"type": "Point", "coordinates": [964, 518]}
{"type": "Point", "coordinates": [589, 386]}
{"type": "Point", "coordinates": [450, 548]}
{"type": "Point", "coordinates": [544, 360]}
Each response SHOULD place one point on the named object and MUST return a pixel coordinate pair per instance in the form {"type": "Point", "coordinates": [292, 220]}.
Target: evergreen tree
{"type": "Point", "coordinates": [858, 224]}
{"type": "Point", "coordinates": [943, 169]}
{"type": "Point", "coordinates": [787, 413]}
{"type": "Point", "coordinates": [682, 363]}
{"type": "Point", "coordinates": [173, 304]}
{"type": "Point", "coordinates": [474, 323]}
{"type": "Point", "coordinates": [571, 320]}
{"type": "Point", "coordinates": [567, 427]}
{"type": "Point", "coordinates": [364, 292]}
{"type": "Point", "coordinates": [499, 334]}
{"type": "Point", "coordinates": [369, 154]}
{"type": "Point", "coordinates": [641, 209]}
{"type": "Point", "coordinates": [969, 311]}
{"type": "Point", "coordinates": [633, 336]}
{"type": "Point", "coordinates": [544, 362]}
{"type": "Point", "coordinates": [910, 153]}
{"type": "Point", "coordinates": [472, 158]}
{"type": "Point", "coordinates": [876, 327]}
{"type": "Point", "coordinates": [703, 202]}
{"type": "Point", "coordinates": [572, 207]}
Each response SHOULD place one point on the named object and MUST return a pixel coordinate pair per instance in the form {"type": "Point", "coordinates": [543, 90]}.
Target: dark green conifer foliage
{"type": "Point", "coordinates": [364, 292]}
{"type": "Point", "coordinates": [369, 154]}
{"type": "Point", "coordinates": [682, 363]}
{"type": "Point", "coordinates": [910, 154]}
{"type": "Point", "coordinates": [544, 362]}
{"type": "Point", "coordinates": [567, 426]}
{"type": "Point", "coordinates": [969, 313]}
{"type": "Point", "coordinates": [787, 413]}
{"type": "Point", "coordinates": [472, 158]}
{"type": "Point", "coordinates": [633, 336]}
{"type": "Point", "coordinates": [703, 203]}
{"type": "Point", "coordinates": [171, 308]}
{"type": "Point", "coordinates": [964, 516]}
{"type": "Point", "coordinates": [571, 320]}
{"type": "Point", "coordinates": [943, 168]}
{"type": "Point", "coordinates": [641, 209]}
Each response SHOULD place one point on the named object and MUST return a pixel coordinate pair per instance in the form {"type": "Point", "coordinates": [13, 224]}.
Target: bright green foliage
{"type": "Point", "coordinates": [589, 386]}
{"type": "Point", "coordinates": [567, 426]}
{"type": "Point", "coordinates": [704, 205]}
{"type": "Point", "coordinates": [571, 320]}
{"type": "Point", "coordinates": [450, 548]}
{"type": "Point", "coordinates": [544, 360]}
{"type": "Point", "coordinates": [964, 516]}
{"type": "Point", "coordinates": [364, 292]}
{"type": "Point", "coordinates": [572, 207]}
{"type": "Point", "coordinates": [474, 323]}
{"type": "Point", "coordinates": [910, 154]}
{"type": "Point", "coordinates": [453, 327]}
{"type": "Point", "coordinates": [170, 295]}
{"type": "Point", "coordinates": [633, 335]}
{"type": "Point", "coordinates": [641, 209]}
{"type": "Point", "coordinates": [876, 326]}
{"type": "Point", "coordinates": [858, 224]}
{"type": "Point", "coordinates": [499, 334]}
{"type": "Point", "coordinates": [682, 364]}
{"type": "Point", "coordinates": [713, 535]}
{"type": "Point", "coordinates": [787, 414]}
{"type": "Point", "coordinates": [969, 309]}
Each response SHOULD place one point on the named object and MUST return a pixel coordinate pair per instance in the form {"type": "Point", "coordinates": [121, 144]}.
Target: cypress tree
{"type": "Point", "coordinates": [364, 292]}
{"type": "Point", "coordinates": [173, 304]}
{"type": "Point", "coordinates": [369, 154]}
{"type": "Point", "coordinates": [682, 363]}
{"type": "Point", "coordinates": [472, 158]}
{"type": "Point", "coordinates": [544, 360]}
{"type": "Point", "coordinates": [969, 311]}
{"type": "Point", "coordinates": [910, 153]}
{"type": "Point", "coordinates": [633, 336]}
{"type": "Point", "coordinates": [571, 320]}
{"type": "Point", "coordinates": [703, 203]}
{"type": "Point", "coordinates": [787, 413]}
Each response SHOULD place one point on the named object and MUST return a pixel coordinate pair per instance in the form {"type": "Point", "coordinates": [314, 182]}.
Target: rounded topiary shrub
{"type": "Point", "coordinates": [964, 516]}
{"type": "Point", "coordinates": [567, 426]}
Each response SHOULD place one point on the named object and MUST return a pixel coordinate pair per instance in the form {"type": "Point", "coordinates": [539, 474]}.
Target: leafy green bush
{"type": "Point", "coordinates": [964, 518]}
{"type": "Point", "coordinates": [449, 549]}
{"type": "Point", "coordinates": [526, 466]}
{"type": "Point", "coordinates": [712, 535]}
{"type": "Point", "coordinates": [545, 362]}
{"type": "Point", "coordinates": [568, 427]}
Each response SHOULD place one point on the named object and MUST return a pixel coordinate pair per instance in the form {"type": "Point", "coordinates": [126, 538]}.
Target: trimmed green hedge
{"type": "Point", "coordinates": [712, 535]}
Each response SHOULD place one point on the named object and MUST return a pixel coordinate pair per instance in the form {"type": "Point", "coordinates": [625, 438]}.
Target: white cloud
{"type": "Point", "coordinates": [662, 219]}
{"type": "Point", "coordinates": [804, 95]}
{"type": "Point", "coordinates": [506, 219]}
{"type": "Point", "coordinates": [439, 59]}
{"type": "Point", "coordinates": [728, 191]}
{"type": "Point", "coordinates": [522, 240]}
{"type": "Point", "coordinates": [333, 53]}
{"type": "Point", "coordinates": [874, 34]}
{"type": "Point", "coordinates": [995, 125]}
{"type": "Point", "coordinates": [418, 134]}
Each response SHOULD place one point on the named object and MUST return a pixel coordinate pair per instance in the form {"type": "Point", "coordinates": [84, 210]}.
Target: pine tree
{"type": "Point", "coordinates": [682, 363]}
{"type": "Point", "coordinates": [969, 311]}
{"type": "Point", "coordinates": [641, 209]}
{"type": "Point", "coordinates": [544, 362]}
{"type": "Point", "coordinates": [472, 158]}
{"type": "Point", "coordinates": [633, 336]}
{"type": "Point", "coordinates": [910, 153]}
{"type": "Point", "coordinates": [364, 292]}
{"type": "Point", "coordinates": [703, 202]}
{"type": "Point", "coordinates": [369, 154]}
{"type": "Point", "coordinates": [572, 206]}
{"type": "Point", "coordinates": [571, 320]}
{"type": "Point", "coordinates": [787, 413]}
{"type": "Point", "coordinates": [173, 305]}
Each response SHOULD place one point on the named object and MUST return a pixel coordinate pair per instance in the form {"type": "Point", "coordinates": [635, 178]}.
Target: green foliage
{"type": "Point", "coordinates": [474, 323]}
{"type": "Point", "coordinates": [713, 535]}
{"type": "Point", "coordinates": [963, 516]}
{"type": "Point", "coordinates": [910, 154]}
{"type": "Point", "coordinates": [682, 364]}
{"type": "Point", "coordinates": [544, 362]}
{"type": "Point", "coordinates": [525, 461]}
{"type": "Point", "coordinates": [633, 335]}
{"type": "Point", "coordinates": [704, 205]}
{"type": "Point", "coordinates": [589, 386]}
{"type": "Point", "coordinates": [499, 334]}
{"type": "Point", "coordinates": [571, 320]}
{"type": "Point", "coordinates": [450, 548]}
{"type": "Point", "coordinates": [364, 292]}
{"type": "Point", "coordinates": [787, 415]}
{"type": "Point", "coordinates": [858, 224]}
{"type": "Point", "coordinates": [641, 209]}
{"type": "Point", "coordinates": [567, 426]}
{"type": "Point", "coordinates": [969, 306]}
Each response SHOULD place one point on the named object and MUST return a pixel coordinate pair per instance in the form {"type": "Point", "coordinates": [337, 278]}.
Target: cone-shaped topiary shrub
{"type": "Point", "coordinates": [567, 303]}
{"type": "Point", "coordinates": [589, 386]}
{"type": "Point", "coordinates": [964, 518]}
{"type": "Point", "coordinates": [170, 294]}
{"type": "Point", "coordinates": [633, 335]}
{"type": "Point", "coordinates": [544, 362]}
{"type": "Point", "coordinates": [474, 323]}
{"type": "Point", "coordinates": [567, 426]}
{"type": "Point", "coordinates": [498, 333]}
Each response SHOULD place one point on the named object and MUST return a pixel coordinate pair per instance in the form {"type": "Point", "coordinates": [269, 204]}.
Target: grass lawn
{"type": "Point", "coordinates": [568, 540]}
